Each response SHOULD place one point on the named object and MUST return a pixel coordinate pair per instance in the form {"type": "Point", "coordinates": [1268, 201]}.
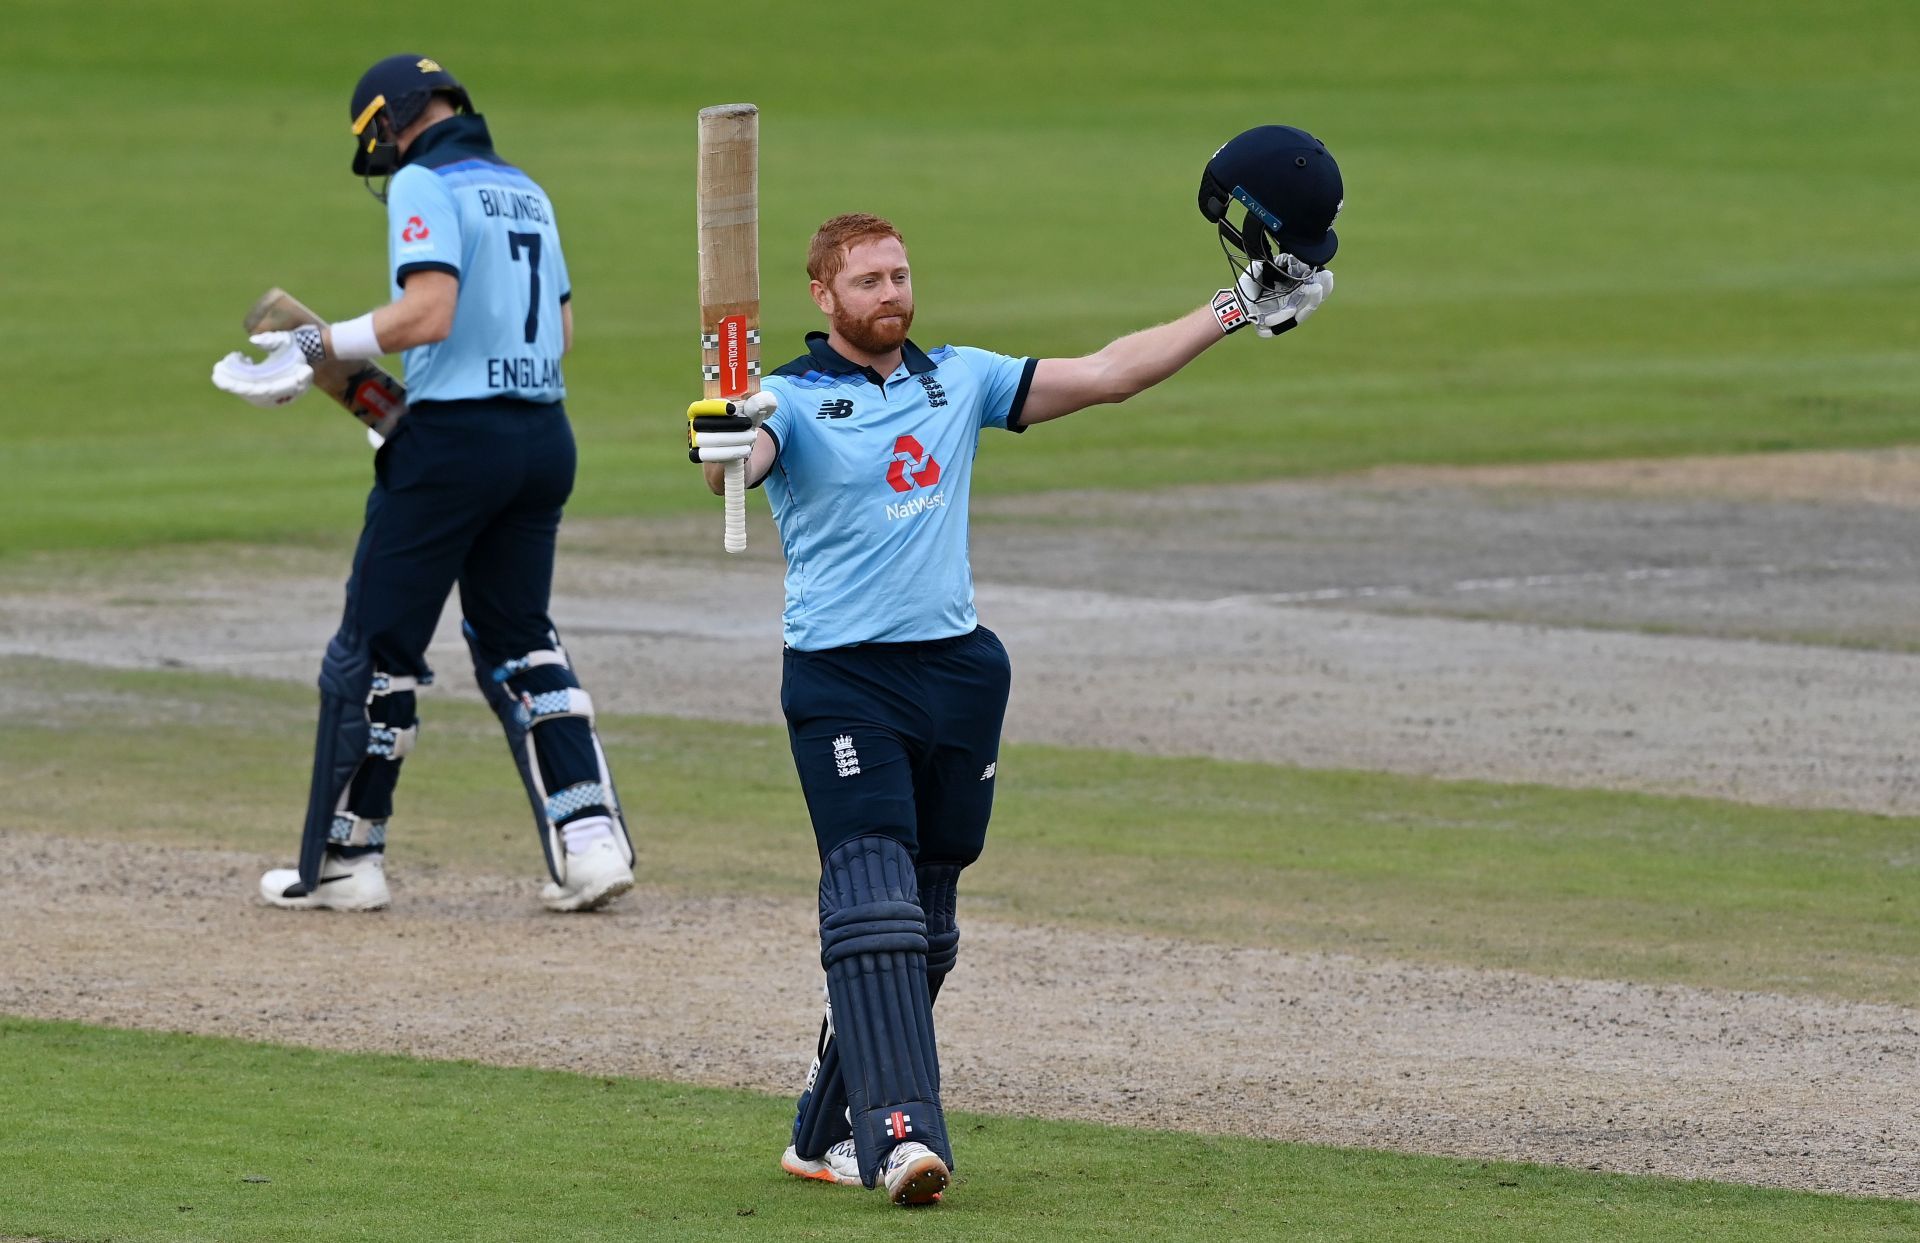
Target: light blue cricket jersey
{"type": "Point", "coordinates": [457, 207]}
{"type": "Point", "coordinates": [870, 488]}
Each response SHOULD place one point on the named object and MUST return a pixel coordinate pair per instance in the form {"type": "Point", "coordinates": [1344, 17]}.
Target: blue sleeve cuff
{"type": "Point", "coordinates": [1020, 396]}
{"type": "Point", "coordinates": [776, 455]}
{"type": "Point", "coordinates": [426, 265]}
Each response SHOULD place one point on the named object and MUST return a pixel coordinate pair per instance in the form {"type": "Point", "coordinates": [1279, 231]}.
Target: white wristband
{"type": "Point", "coordinates": [353, 338]}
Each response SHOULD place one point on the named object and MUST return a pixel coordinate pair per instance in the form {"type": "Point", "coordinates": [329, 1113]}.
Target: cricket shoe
{"type": "Point", "coordinates": [839, 1164]}
{"type": "Point", "coordinates": [595, 877]}
{"type": "Point", "coordinates": [356, 884]}
{"type": "Point", "coordinates": [914, 1175]}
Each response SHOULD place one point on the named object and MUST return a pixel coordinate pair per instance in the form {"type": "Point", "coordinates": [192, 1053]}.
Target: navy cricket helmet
{"type": "Point", "coordinates": [390, 97]}
{"type": "Point", "coordinates": [1290, 186]}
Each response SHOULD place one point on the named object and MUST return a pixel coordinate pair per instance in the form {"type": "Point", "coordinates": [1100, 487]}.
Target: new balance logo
{"type": "Point", "coordinates": [838, 408]}
{"type": "Point", "coordinates": [988, 775]}
{"type": "Point", "coordinates": [845, 758]}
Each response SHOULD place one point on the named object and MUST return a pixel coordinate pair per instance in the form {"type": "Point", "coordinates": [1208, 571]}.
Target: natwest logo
{"type": "Point", "coordinates": [416, 230]}
{"type": "Point", "coordinates": [912, 467]}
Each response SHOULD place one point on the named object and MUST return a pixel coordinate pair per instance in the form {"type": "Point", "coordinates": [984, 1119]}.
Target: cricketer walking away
{"type": "Point", "coordinates": [467, 492]}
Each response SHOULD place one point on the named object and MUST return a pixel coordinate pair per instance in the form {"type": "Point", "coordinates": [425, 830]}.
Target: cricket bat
{"type": "Point", "coordinates": [728, 208]}
{"type": "Point", "coordinates": [364, 388]}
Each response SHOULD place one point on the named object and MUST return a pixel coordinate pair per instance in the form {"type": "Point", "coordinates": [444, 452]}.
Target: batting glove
{"type": "Point", "coordinates": [723, 431]}
{"type": "Point", "coordinates": [1276, 307]}
{"type": "Point", "coordinates": [277, 379]}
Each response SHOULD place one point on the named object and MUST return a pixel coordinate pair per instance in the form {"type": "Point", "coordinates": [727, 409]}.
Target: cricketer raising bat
{"type": "Point", "coordinates": [364, 388]}
{"type": "Point", "coordinates": [728, 208]}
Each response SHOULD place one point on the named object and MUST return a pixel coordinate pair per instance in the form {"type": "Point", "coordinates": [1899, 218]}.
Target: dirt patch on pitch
{"type": "Point", "coordinates": [1135, 1030]}
{"type": "Point", "coordinates": [1875, 477]}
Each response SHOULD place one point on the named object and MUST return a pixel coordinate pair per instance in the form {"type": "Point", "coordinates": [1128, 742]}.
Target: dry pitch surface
{"type": "Point", "coordinates": [1742, 629]}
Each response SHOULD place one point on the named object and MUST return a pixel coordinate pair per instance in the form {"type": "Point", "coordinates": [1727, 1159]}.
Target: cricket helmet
{"type": "Point", "coordinates": [390, 97]}
{"type": "Point", "coordinates": [1290, 186]}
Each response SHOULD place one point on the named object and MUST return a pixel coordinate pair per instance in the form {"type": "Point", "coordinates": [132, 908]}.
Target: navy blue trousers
{"type": "Point", "coordinates": [465, 493]}
{"type": "Point", "coordinates": [900, 740]}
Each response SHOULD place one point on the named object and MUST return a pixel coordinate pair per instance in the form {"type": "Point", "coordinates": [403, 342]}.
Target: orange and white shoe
{"type": "Point", "coordinates": [914, 1175]}
{"type": "Point", "coordinates": [838, 1165]}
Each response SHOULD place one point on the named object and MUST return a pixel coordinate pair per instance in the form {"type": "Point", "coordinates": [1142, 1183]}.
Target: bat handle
{"type": "Point", "coordinates": [736, 476]}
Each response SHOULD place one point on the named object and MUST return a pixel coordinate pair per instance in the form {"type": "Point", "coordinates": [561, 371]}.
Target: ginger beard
{"type": "Point", "coordinates": [876, 333]}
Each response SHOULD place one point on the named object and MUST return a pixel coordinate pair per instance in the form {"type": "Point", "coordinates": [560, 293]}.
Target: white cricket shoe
{"type": "Point", "coordinates": [914, 1174]}
{"type": "Point", "coordinates": [356, 884]}
{"type": "Point", "coordinates": [839, 1164]}
{"type": "Point", "coordinates": [595, 877]}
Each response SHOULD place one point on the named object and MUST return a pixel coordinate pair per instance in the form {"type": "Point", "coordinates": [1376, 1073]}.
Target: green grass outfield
{"type": "Point", "coordinates": [1639, 228]}
{"type": "Point", "coordinates": [122, 1135]}
{"type": "Point", "coordinates": [1587, 883]}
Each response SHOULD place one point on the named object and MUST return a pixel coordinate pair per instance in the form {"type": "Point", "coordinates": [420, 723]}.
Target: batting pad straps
{"type": "Point", "coordinates": [575, 799]}
{"type": "Point", "coordinates": [351, 830]}
{"type": "Point", "coordinates": [532, 660]}
{"type": "Point", "coordinates": [392, 744]}
{"type": "Point", "coordinates": [393, 721]}
{"type": "Point", "coordinates": [393, 684]}
{"type": "Point", "coordinates": [551, 705]}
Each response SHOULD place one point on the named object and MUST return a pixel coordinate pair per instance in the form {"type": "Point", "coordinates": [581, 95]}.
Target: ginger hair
{"type": "Point", "coordinates": [827, 252]}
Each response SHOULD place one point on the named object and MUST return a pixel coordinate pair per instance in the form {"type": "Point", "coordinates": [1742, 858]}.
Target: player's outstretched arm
{"type": "Point", "coordinates": [1133, 364]}
{"type": "Point", "coordinates": [1141, 360]}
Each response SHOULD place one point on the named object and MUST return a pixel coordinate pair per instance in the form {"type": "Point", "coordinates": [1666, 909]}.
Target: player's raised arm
{"type": "Point", "coordinates": [1291, 189]}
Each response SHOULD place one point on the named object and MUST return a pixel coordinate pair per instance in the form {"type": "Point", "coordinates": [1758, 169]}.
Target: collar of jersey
{"type": "Point", "coordinates": [830, 360]}
{"type": "Point", "coordinates": [462, 137]}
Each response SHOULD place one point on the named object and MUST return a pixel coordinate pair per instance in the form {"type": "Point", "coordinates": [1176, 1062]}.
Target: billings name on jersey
{"type": "Point", "coordinates": [510, 205]}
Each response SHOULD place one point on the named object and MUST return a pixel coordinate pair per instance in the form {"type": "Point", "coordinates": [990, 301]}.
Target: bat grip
{"type": "Point", "coordinates": [736, 476]}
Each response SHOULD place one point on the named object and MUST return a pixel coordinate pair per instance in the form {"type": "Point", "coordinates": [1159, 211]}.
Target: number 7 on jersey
{"type": "Point", "coordinates": [728, 208]}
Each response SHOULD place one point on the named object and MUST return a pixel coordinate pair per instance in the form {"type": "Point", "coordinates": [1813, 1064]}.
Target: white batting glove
{"type": "Point", "coordinates": [277, 379]}
{"type": "Point", "coordinates": [1270, 311]}
{"type": "Point", "coordinates": [724, 431]}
